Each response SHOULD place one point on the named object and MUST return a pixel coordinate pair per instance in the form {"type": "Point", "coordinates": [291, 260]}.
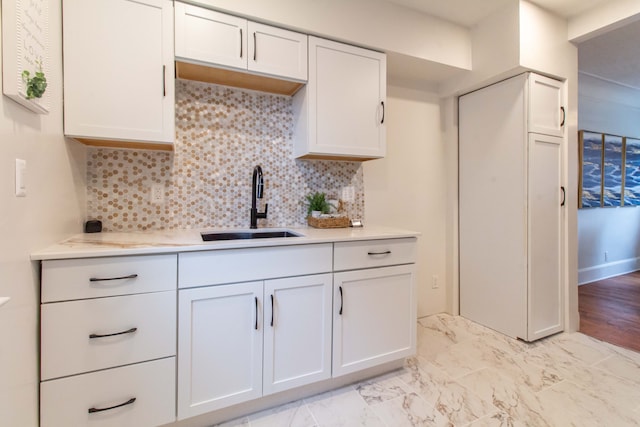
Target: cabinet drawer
{"type": "Point", "coordinates": [67, 347]}
{"type": "Point", "coordinates": [373, 253]}
{"type": "Point", "coordinates": [101, 277]}
{"type": "Point", "coordinates": [243, 265]}
{"type": "Point", "coordinates": [68, 401]}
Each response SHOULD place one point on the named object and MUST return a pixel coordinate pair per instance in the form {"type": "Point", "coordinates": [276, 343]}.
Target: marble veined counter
{"type": "Point", "coordinates": [90, 245]}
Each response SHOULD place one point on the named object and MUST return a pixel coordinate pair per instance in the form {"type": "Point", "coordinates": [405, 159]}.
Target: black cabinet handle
{"type": "Point", "coordinates": [256, 313]}
{"type": "Point", "coordinates": [379, 253]}
{"type": "Point", "coordinates": [564, 116]}
{"type": "Point", "coordinates": [128, 402]}
{"type": "Point", "coordinates": [564, 196]}
{"type": "Point", "coordinates": [240, 42]}
{"type": "Point", "coordinates": [272, 310]}
{"type": "Point", "coordinates": [255, 46]}
{"type": "Point", "coordinates": [382, 121]}
{"type": "Point", "coordinates": [128, 331]}
{"type": "Point", "coordinates": [105, 279]}
{"type": "Point", "coordinates": [164, 81]}
{"type": "Point", "coordinates": [341, 300]}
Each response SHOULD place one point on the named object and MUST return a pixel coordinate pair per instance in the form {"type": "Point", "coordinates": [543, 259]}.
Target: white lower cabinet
{"type": "Point", "coordinates": [300, 315]}
{"type": "Point", "coordinates": [108, 341]}
{"type": "Point", "coordinates": [140, 395]}
{"type": "Point", "coordinates": [221, 332]}
{"type": "Point", "coordinates": [297, 332]}
{"type": "Point", "coordinates": [219, 347]}
{"type": "Point", "coordinates": [374, 317]}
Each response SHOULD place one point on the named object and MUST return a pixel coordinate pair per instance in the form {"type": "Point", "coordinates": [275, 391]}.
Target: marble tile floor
{"type": "Point", "coordinates": [468, 375]}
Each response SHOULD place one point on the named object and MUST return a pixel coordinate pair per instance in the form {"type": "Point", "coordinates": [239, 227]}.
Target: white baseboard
{"type": "Point", "coordinates": [610, 269]}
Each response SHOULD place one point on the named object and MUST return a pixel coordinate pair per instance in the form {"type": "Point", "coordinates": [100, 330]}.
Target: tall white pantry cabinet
{"type": "Point", "coordinates": [511, 206]}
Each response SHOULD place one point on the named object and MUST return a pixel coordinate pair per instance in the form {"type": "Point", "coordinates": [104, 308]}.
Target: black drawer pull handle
{"type": "Point", "coordinates": [128, 402]}
{"type": "Point", "coordinates": [99, 279]}
{"type": "Point", "coordinates": [341, 300]}
{"type": "Point", "coordinates": [128, 331]}
{"type": "Point", "coordinates": [379, 253]}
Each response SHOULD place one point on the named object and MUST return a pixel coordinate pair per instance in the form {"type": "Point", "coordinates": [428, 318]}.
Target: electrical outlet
{"type": "Point", "coordinates": [348, 194]}
{"type": "Point", "coordinates": [157, 194]}
{"type": "Point", "coordinates": [606, 256]}
{"type": "Point", "coordinates": [434, 282]}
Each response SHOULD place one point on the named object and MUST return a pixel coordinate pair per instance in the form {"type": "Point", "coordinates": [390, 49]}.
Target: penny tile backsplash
{"type": "Point", "coordinates": [221, 134]}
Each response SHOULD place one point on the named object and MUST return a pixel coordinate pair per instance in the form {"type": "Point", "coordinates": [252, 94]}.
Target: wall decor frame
{"type": "Point", "coordinates": [25, 53]}
{"type": "Point", "coordinates": [591, 169]}
{"type": "Point", "coordinates": [613, 170]}
{"type": "Point", "coordinates": [632, 172]}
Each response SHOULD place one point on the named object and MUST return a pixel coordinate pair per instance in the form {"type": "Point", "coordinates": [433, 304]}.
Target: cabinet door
{"type": "Point", "coordinates": [277, 52]}
{"type": "Point", "coordinates": [374, 317]}
{"type": "Point", "coordinates": [118, 70]}
{"type": "Point", "coordinates": [297, 332]}
{"type": "Point", "coordinates": [544, 243]}
{"type": "Point", "coordinates": [219, 347]}
{"type": "Point", "coordinates": [546, 109]}
{"type": "Point", "coordinates": [346, 95]}
{"type": "Point", "coordinates": [203, 35]}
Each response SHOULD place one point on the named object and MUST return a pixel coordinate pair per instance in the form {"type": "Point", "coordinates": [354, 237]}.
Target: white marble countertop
{"type": "Point", "coordinates": [172, 241]}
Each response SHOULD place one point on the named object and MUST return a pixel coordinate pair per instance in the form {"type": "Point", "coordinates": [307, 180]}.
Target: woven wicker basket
{"type": "Point", "coordinates": [333, 222]}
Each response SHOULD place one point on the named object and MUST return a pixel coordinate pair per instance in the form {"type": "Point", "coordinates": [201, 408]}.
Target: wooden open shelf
{"type": "Point", "coordinates": [202, 73]}
{"type": "Point", "coordinates": [134, 145]}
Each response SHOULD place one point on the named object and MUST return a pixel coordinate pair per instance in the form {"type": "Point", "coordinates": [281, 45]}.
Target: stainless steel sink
{"type": "Point", "coordinates": [239, 235]}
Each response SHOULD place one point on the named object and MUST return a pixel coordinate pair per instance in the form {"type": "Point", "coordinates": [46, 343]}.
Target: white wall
{"type": "Point", "coordinates": [496, 48]}
{"type": "Point", "coordinates": [408, 187]}
{"type": "Point", "coordinates": [51, 211]}
{"type": "Point", "coordinates": [609, 108]}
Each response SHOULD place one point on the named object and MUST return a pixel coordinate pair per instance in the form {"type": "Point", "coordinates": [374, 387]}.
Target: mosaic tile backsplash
{"type": "Point", "coordinates": [221, 134]}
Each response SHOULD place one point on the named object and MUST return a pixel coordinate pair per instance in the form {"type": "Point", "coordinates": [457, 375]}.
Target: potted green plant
{"type": "Point", "coordinates": [36, 85]}
{"type": "Point", "coordinates": [317, 204]}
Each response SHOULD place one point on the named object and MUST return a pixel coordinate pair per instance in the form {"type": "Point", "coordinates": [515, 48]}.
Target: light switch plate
{"type": "Point", "coordinates": [21, 186]}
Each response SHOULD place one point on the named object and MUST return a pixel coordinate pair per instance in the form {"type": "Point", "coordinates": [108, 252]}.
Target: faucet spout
{"type": "Point", "coordinates": [257, 189]}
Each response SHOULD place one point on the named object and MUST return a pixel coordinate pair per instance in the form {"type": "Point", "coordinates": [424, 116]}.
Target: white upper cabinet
{"type": "Point", "coordinates": [546, 107]}
{"type": "Point", "coordinates": [341, 111]}
{"type": "Point", "coordinates": [208, 37]}
{"type": "Point", "coordinates": [277, 52]}
{"type": "Point", "coordinates": [118, 71]}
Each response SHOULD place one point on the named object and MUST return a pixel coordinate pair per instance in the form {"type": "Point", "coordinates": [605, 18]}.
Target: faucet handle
{"type": "Point", "coordinates": [266, 208]}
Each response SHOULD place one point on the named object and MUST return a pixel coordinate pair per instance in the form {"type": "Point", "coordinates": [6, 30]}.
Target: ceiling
{"type": "Point", "coordinates": [469, 12]}
{"type": "Point", "coordinates": [613, 56]}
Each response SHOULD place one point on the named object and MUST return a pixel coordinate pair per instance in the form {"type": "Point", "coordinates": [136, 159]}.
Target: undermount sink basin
{"type": "Point", "coordinates": [238, 235]}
